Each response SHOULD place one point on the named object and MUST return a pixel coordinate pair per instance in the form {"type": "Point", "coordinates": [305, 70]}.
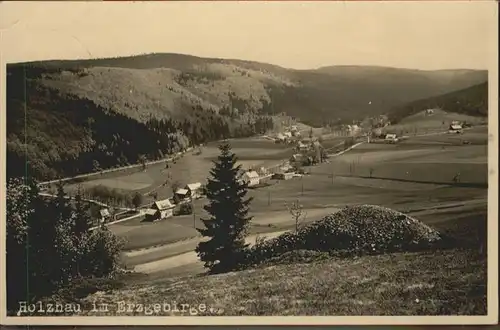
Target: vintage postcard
{"type": "Point", "coordinates": [249, 163]}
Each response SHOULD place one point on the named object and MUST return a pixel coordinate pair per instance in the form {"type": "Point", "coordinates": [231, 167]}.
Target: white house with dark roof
{"type": "Point", "coordinates": [160, 210]}
{"type": "Point", "coordinates": [252, 178]}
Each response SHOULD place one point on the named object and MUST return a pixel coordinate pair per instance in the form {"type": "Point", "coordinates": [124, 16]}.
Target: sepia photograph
{"type": "Point", "coordinates": [249, 162]}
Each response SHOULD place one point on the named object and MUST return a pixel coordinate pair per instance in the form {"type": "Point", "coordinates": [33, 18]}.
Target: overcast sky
{"type": "Point", "coordinates": [424, 35]}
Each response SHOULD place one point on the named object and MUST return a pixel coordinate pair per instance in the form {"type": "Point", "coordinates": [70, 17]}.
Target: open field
{"type": "Point", "coordinates": [252, 152]}
{"type": "Point", "coordinates": [420, 123]}
{"type": "Point", "coordinates": [414, 177]}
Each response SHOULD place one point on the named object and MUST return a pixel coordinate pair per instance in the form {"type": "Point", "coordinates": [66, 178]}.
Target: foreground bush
{"type": "Point", "coordinates": [354, 230]}
{"type": "Point", "coordinates": [50, 244]}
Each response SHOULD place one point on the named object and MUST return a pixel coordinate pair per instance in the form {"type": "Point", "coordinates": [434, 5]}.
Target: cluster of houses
{"type": "Point", "coordinates": [163, 209]}
{"type": "Point", "coordinates": [288, 136]}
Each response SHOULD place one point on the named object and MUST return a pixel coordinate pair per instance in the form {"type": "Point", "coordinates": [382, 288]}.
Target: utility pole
{"type": "Point", "coordinates": [302, 181]}
{"type": "Point", "coordinates": [194, 212]}
{"type": "Point", "coordinates": [268, 196]}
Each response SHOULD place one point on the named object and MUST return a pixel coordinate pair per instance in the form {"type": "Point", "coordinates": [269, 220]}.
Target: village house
{"type": "Point", "coordinates": [104, 215]}
{"type": "Point", "coordinates": [391, 138]}
{"type": "Point", "coordinates": [251, 178]}
{"type": "Point", "coordinates": [160, 210]}
{"type": "Point", "coordinates": [455, 128]}
{"type": "Point", "coordinates": [181, 194]}
{"type": "Point", "coordinates": [194, 190]}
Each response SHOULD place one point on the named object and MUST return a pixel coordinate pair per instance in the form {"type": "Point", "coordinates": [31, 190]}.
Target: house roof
{"type": "Point", "coordinates": [193, 186]}
{"type": "Point", "coordinates": [181, 191]}
{"type": "Point", "coordinates": [252, 174]}
{"type": "Point", "coordinates": [104, 212]}
{"type": "Point", "coordinates": [150, 211]}
{"type": "Point", "coordinates": [455, 126]}
{"type": "Point", "coordinates": [163, 204]}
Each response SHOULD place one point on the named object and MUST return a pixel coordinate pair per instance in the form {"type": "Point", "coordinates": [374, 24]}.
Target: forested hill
{"type": "Point", "coordinates": [472, 101]}
{"type": "Point", "coordinates": [170, 84]}
{"type": "Point", "coordinates": [52, 135]}
{"type": "Point", "coordinates": [71, 117]}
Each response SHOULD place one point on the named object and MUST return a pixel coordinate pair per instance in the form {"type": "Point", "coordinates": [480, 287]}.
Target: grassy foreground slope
{"type": "Point", "coordinates": [441, 283]}
{"type": "Point", "coordinates": [447, 281]}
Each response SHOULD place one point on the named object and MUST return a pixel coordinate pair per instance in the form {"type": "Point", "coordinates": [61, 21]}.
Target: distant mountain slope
{"type": "Point", "coordinates": [164, 85]}
{"type": "Point", "coordinates": [81, 114]}
{"type": "Point", "coordinates": [471, 101]}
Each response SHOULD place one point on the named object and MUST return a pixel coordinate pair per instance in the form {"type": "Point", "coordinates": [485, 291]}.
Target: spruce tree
{"type": "Point", "coordinates": [228, 209]}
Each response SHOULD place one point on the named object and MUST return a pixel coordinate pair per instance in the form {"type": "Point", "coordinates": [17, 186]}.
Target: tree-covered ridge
{"type": "Point", "coordinates": [52, 135]}
{"type": "Point", "coordinates": [472, 101]}
{"type": "Point", "coordinates": [171, 84]}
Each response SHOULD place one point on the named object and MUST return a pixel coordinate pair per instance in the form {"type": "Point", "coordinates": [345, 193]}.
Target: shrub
{"type": "Point", "coordinates": [185, 209]}
{"type": "Point", "coordinates": [354, 230]}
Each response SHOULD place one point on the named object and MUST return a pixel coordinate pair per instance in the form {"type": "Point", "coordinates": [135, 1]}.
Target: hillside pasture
{"type": "Point", "coordinates": [440, 120]}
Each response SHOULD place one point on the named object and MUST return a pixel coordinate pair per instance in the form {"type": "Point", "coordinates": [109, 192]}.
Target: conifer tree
{"type": "Point", "coordinates": [228, 209]}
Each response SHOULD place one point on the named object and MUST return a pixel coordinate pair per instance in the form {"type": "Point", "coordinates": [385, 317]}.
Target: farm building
{"type": "Point", "coordinates": [104, 215]}
{"type": "Point", "coordinates": [194, 190]}
{"type": "Point", "coordinates": [454, 128]}
{"type": "Point", "coordinates": [284, 176]}
{"type": "Point", "coordinates": [252, 178]}
{"type": "Point", "coordinates": [160, 210]}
